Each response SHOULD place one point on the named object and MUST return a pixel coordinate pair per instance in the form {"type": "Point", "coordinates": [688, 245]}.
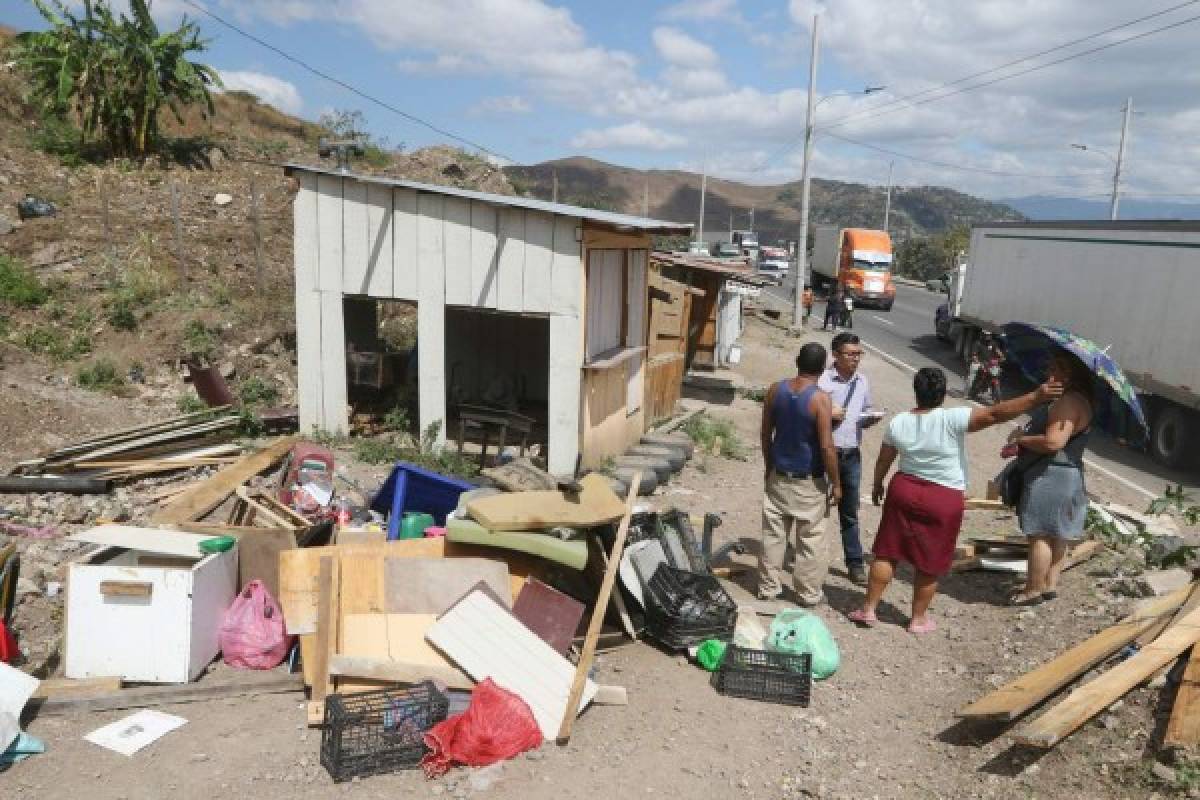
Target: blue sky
{"type": "Point", "coordinates": [681, 83]}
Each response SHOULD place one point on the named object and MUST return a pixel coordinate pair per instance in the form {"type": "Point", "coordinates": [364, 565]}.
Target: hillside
{"type": "Point", "coordinates": [675, 195]}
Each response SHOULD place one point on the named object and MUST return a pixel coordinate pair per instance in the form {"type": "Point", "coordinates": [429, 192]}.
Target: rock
{"type": "Point", "coordinates": [46, 255]}
{"type": "Point", "coordinates": [1164, 581]}
{"type": "Point", "coordinates": [74, 512]}
{"type": "Point", "coordinates": [1163, 772]}
{"type": "Point", "coordinates": [228, 369]}
{"type": "Point", "coordinates": [480, 780]}
{"type": "Point", "coordinates": [26, 586]}
{"type": "Point", "coordinates": [222, 199]}
{"type": "Point", "coordinates": [6, 226]}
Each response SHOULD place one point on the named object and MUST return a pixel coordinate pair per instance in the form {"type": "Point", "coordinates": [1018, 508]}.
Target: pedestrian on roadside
{"type": "Point", "coordinates": [1053, 505]}
{"type": "Point", "coordinates": [833, 308]}
{"type": "Point", "coordinates": [923, 511]}
{"type": "Point", "coordinates": [847, 311]}
{"type": "Point", "coordinates": [801, 479]}
{"type": "Point", "coordinates": [807, 301]}
{"type": "Point", "coordinates": [850, 392]}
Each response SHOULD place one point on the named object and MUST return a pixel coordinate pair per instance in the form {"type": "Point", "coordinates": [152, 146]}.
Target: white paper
{"type": "Point", "coordinates": [16, 687]}
{"type": "Point", "coordinates": [127, 736]}
{"type": "Point", "coordinates": [322, 494]}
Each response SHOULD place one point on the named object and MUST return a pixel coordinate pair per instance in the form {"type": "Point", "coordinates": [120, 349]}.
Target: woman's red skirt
{"type": "Point", "coordinates": [920, 524]}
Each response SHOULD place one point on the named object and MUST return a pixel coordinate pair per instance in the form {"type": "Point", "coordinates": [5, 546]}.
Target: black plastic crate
{"type": "Point", "coordinates": [765, 675]}
{"type": "Point", "coordinates": [381, 731]}
{"type": "Point", "coordinates": [685, 608]}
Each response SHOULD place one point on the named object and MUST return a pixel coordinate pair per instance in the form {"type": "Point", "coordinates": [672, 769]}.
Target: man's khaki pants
{"type": "Point", "coordinates": [794, 512]}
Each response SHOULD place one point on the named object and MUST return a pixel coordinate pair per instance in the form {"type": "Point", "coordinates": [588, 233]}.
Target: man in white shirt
{"type": "Point", "coordinates": [850, 392]}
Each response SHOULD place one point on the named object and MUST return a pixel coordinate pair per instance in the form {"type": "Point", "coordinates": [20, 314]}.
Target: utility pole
{"type": "Point", "coordinates": [1116, 195]}
{"type": "Point", "coordinates": [554, 196]}
{"type": "Point", "coordinates": [887, 205]}
{"type": "Point", "coordinates": [731, 224]}
{"type": "Point", "coordinates": [646, 198]}
{"type": "Point", "coordinates": [802, 242]}
{"type": "Point", "coordinates": [703, 189]}
{"type": "Point", "coordinates": [751, 218]}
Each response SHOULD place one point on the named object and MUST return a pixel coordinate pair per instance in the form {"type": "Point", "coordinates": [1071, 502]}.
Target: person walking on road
{"type": "Point", "coordinates": [923, 511]}
{"type": "Point", "coordinates": [833, 308]}
{"type": "Point", "coordinates": [850, 392]}
{"type": "Point", "coordinates": [801, 479]}
{"type": "Point", "coordinates": [807, 301]}
{"type": "Point", "coordinates": [847, 311]}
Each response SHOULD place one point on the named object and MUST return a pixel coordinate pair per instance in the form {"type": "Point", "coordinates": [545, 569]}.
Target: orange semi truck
{"type": "Point", "coordinates": [860, 259]}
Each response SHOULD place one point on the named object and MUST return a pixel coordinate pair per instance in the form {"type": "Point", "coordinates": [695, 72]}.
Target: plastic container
{"type": "Point", "coordinates": [684, 608]}
{"type": "Point", "coordinates": [413, 524]}
{"type": "Point", "coordinates": [763, 675]}
{"type": "Point", "coordinates": [410, 488]}
{"type": "Point", "coordinates": [371, 733]}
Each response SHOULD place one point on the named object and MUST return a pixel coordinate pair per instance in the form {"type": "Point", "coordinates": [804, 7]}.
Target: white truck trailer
{"type": "Point", "coordinates": [1131, 287]}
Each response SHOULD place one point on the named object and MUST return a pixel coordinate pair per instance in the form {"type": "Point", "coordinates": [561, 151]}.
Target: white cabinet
{"type": "Point", "coordinates": [146, 605]}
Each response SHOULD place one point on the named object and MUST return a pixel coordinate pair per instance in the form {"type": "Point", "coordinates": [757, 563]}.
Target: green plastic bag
{"type": "Point", "coordinates": [795, 631]}
{"type": "Point", "coordinates": [710, 654]}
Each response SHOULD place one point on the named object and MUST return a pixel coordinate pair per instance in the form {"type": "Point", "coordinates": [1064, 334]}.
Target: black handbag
{"type": "Point", "coordinates": [1011, 479]}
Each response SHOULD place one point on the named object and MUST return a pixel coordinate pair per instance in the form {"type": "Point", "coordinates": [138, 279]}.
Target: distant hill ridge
{"type": "Point", "coordinates": [675, 195]}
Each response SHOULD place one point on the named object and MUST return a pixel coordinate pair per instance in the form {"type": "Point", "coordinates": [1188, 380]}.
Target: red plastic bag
{"type": "Point", "coordinates": [497, 725]}
{"type": "Point", "coordinates": [252, 634]}
{"type": "Point", "coordinates": [8, 644]}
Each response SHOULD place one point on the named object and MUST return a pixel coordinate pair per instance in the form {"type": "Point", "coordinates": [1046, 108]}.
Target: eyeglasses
{"type": "Point", "coordinates": [850, 353]}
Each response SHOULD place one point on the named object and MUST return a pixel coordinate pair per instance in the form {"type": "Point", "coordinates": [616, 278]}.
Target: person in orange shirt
{"type": "Point", "coordinates": [807, 301]}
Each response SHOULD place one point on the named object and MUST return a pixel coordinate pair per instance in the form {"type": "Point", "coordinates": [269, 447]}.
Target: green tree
{"type": "Point", "coordinates": [115, 73]}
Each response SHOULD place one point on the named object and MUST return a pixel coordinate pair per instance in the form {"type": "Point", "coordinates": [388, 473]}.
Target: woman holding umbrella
{"type": "Point", "coordinates": [1053, 505]}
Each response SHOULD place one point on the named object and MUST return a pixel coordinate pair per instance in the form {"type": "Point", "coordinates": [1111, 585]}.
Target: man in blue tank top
{"type": "Point", "coordinates": [801, 478]}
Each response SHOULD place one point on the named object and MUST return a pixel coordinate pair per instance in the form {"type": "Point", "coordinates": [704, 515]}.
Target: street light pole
{"type": "Point", "coordinates": [1116, 194]}
{"type": "Point", "coordinates": [802, 241]}
{"type": "Point", "coordinates": [887, 205]}
{"type": "Point", "coordinates": [703, 190]}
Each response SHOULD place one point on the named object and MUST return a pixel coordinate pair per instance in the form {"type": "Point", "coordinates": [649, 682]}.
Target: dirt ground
{"type": "Point", "coordinates": [883, 726]}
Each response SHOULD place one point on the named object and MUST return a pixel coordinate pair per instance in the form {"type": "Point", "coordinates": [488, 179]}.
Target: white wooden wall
{"type": "Point", "coordinates": [357, 238]}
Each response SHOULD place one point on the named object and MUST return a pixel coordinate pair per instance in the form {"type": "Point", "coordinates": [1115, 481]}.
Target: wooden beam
{"type": "Point", "coordinates": [981, 504]}
{"type": "Point", "coordinates": [378, 669]}
{"type": "Point", "coordinates": [65, 687]}
{"type": "Point", "coordinates": [204, 497]}
{"type": "Point", "coordinates": [246, 684]}
{"type": "Point", "coordinates": [328, 616]}
{"type": "Point", "coordinates": [588, 654]}
{"type": "Point", "coordinates": [1093, 697]}
{"type": "Point", "coordinates": [1183, 729]}
{"type": "Point", "coordinates": [1015, 698]}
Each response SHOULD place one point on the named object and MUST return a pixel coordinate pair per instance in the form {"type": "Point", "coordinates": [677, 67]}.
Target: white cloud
{"type": "Point", "coordinates": [701, 10]}
{"type": "Point", "coordinates": [505, 104]}
{"type": "Point", "coordinates": [679, 49]}
{"type": "Point", "coordinates": [630, 136]}
{"type": "Point", "coordinates": [274, 91]}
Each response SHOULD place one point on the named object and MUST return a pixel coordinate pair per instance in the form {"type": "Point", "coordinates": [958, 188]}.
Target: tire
{"type": "Point", "coordinates": [1173, 435]}
{"type": "Point", "coordinates": [886, 306]}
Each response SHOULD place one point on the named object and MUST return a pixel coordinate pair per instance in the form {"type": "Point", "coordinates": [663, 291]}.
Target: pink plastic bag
{"type": "Point", "coordinates": [252, 634]}
{"type": "Point", "coordinates": [497, 725]}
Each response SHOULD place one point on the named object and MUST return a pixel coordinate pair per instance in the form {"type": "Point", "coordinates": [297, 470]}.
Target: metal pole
{"type": "Point", "coordinates": [554, 197]}
{"type": "Point", "coordinates": [802, 242]}
{"type": "Point", "coordinates": [1116, 195]}
{"type": "Point", "coordinates": [731, 224]}
{"type": "Point", "coordinates": [646, 198]}
{"type": "Point", "coordinates": [703, 189]}
{"type": "Point", "coordinates": [887, 206]}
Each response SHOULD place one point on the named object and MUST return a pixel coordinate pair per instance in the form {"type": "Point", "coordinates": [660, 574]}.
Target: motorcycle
{"type": "Point", "coordinates": [987, 380]}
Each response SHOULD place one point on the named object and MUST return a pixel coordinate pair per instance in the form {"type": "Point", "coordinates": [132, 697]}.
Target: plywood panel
{"type": "Point", "coordinates": [431, 586]}
{"type": "Point", "coordinates": [304, 232]}
{"type": "Point", "coordinates": [308, 303]}
{"type": "Point", "coordinates": [563, 404]}
{"type": "Point", "coordinates": [539, 257]}
{"type": "Point", "coordinates": [379, 235]}
{"type": "Point", "coordinates": [566, 279]}
{"type": "Point", "coordinates": [329, 244]}
{"type": "Point", "coordinates": [485, 252]}
{"type": "Point", "coordinates": [486, 641]}
{"type": "Point", "coordinates": [431, 313]}
{"type": "Point", "coordinates": [355, 237]}
{"type": "Point", "coordinates": [404, 241]}
{"type": "Point", "coordinates": [335, 416]}
{"type": "Point", "coordinates": [388, 637]}
{"type": "Point", "coordinates": [510, 271]}
{"type": "Point", "coordinates": [458, 251]}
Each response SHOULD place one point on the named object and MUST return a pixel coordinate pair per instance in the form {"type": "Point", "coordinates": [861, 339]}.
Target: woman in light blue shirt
{"type": "Point", "coordinates": [924, 508]}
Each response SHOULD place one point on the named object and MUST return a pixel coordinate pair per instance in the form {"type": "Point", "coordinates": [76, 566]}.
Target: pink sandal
{"type": "Point", "coordinates": [864, 618]}
{"type": "Point", "coordinates": [929, 626]}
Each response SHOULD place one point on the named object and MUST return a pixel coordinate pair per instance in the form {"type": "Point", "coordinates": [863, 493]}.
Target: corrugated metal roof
{"type": "Point", "coordinates": [605, 217]}
{"type": "Point", "coordinates": [713, 265]}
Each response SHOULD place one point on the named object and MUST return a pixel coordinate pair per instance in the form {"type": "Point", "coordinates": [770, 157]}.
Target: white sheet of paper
{"type": "Point", "coordinates": [127, 736]}
{"type": "Point", "coordinates": [16, 687]}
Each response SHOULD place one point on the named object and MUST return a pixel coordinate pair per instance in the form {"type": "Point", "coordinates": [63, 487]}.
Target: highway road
{"type": "Point", "coordinates": [905, 335]}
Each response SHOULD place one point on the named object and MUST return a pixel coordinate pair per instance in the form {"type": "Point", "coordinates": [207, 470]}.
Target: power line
{"type": "Point", "coordinates": [1019, 73]}
{"type": "Point", "coordinates": [354, 90]}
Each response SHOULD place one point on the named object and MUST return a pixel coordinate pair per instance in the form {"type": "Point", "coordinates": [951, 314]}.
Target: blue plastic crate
{"type": "Point", "coordinates": [410, 488]}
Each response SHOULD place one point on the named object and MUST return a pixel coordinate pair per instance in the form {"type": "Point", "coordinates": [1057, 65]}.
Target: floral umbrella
{"type": "Point", "coordinates": [1031, 347]}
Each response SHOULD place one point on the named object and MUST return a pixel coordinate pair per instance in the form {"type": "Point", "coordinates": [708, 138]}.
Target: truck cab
{"type": "Point", "coordinates": [865, 267]}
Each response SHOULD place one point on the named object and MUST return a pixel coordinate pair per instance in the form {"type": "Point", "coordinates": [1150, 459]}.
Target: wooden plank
{"type": "Point", "coordinates": [328, 617]}
{"type": "Point", "coordinates": [530, 511]}
{"type": "Point", "coordinates": [1093, 697]}
{"type": "Point", "coordinates": [390, 638]}
{"type": "Point", "coordinates": [982, 504]}
{"type": "Point", "coordinates": [485, 221]}
{"type": "Point", "coordinates": [588, 654]}
{"type": "Point", "coordinates": [206, 496]}
{"type": "Point", "coordinates": [433, 586]}
{"type": "Point", "coordinates": [404, 244]}
{"type": "Point", "coordinates": [431, 314]}
{"type": "Point", "coordinates": [379, 235]}
{"type": "Point", "coordinates": [510, 268]}
{"type": "Point", "coordinates": [150, 540]}
{"type": "Point", "coordinates": [1191, 600]}
{"type": "Point", "coordinates": [380, 669]}
{"type": "Point", "coordinates": [487, 641]}
{"type": "Point", "coordinates": [355, 237]}
{"type": "Point", "coordinates": [1183, 729]}
{"type": "Point", "coordinates": [362, 584]}
{"type": "Point", "coordinates": [457, 215]}
{"type": "Point", "coordinates": [539, 259]}
{"type": "Point", "coordinates": [329, 233]}
{"type": "Point", "coordinates": [246, 684]}
{"type": "Point", "coordinates": [65, 687]}
{"type": "Point", "coordinates": [1015, 698]}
